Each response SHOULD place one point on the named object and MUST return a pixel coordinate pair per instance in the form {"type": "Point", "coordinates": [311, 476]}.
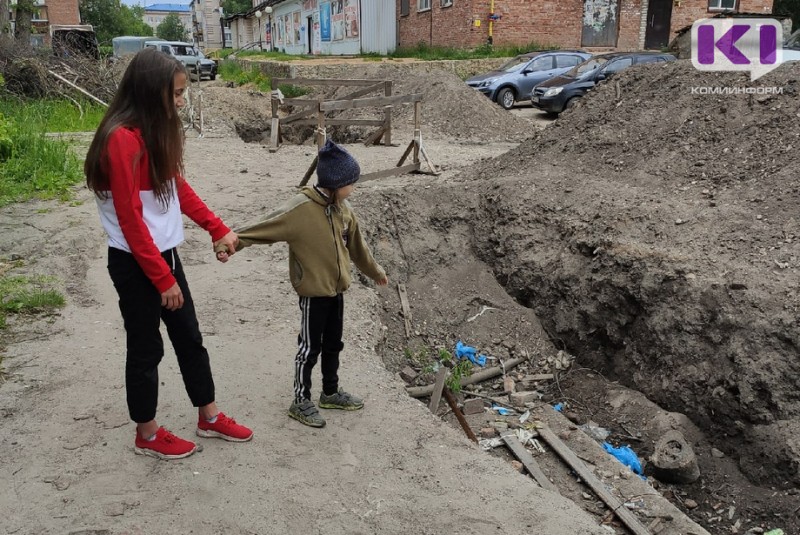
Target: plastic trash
{"type": "Point", "coordinates": [598, 433]}
{"type": "Point", "coordinates": [469, 352]}
{"type": "Point", "coordinates": [502, 411]}
{"type": "Point", "coordinates": [524, 417]}
{"type": "Point", "coordinates": [559, 407]}
{"type": "Point", "coordinates": [775, 532]}
{"type": "Point", "coordinates": [626, 456]}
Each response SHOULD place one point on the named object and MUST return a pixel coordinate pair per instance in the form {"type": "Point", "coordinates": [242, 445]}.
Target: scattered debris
{"type": "Point", "coordinates": [484, 308]}
{"type": "Point", "coordinates": [674, 460]}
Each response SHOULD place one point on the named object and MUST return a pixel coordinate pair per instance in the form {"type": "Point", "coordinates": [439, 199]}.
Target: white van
{"type": "Point", "coordinates": [198, 65]}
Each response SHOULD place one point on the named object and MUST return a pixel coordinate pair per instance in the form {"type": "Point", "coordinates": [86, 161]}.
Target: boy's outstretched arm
{"type": "Point", "coordinates": [276, 227]}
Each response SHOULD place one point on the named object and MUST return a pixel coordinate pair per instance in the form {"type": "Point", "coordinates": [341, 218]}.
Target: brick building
{"type": "Point", "coordinates": [47, 13]}
{"type": "Point", "coordinates": [618, 24]}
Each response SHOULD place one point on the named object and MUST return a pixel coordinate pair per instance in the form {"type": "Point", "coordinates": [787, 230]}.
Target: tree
{"type": "Point", "coordinates": [789, 8]}
{"type": "Point", "coordinates": [111, 19]}
{"type": "Point", "coordinates": [22, 29]}
{"type": "Point", "coordinates": [172, 29]}
{"type": "Point", "coordinates": [5, 21]}
{"type": "Point", "coordinates": [231, 7]}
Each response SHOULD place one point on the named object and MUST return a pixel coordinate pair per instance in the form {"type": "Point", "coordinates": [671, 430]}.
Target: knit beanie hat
{"type": "Point", "coordinates": [335, 167]}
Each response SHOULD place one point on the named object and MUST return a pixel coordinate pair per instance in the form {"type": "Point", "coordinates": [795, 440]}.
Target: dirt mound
{"type": "Point", "coordinates": [666, 121]}
{"type": "Point", "coordinates": [450, 108]}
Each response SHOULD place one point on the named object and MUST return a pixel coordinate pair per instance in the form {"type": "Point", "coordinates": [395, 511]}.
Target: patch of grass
{"type": "Point", "coordinates": [50, 115]}
{"type": "Point", "coordinates": [32, 165]}
{"type": "Point", "coordinates": [275, 55]}
{"type": "Point", "coordinates": [232, 71]}
{"type": "Point", "coordinates": [430, 53]}
{"type": "Point", "coordinates": [27, 295]}
{"type": "Point", "coordinates": [429, 364]}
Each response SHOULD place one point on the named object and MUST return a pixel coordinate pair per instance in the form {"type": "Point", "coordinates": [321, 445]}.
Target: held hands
{"type": "Point", "coordinates": [172, 299]}
{"type": "Point", "coordinates": [230, 241]}
{"type": "Point", "coordinates": [382, 282]}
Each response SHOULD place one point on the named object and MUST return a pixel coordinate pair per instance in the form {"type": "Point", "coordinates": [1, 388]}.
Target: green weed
{"type": "Point", "coordinates": [426, 52]}
{"type": "Point", "coordinates": [28, 295]}
{"type": "Point", "coordinates": [49, 115]}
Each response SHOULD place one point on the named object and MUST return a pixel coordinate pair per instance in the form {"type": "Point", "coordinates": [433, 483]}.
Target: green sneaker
{"type": "Point", "coordinates": [305, 412]}
{"type": "Point", "coordinates": [340, 400]}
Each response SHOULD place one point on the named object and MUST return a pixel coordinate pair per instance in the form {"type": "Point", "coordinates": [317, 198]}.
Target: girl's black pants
{"type": "Point", "coordinates": [142, 313]}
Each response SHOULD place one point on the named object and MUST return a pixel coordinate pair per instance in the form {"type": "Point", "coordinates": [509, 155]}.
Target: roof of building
{"type": "Point", "coordinates": [178, 8]}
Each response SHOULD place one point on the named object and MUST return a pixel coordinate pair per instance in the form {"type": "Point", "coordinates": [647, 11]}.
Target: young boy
{"type": "Point", "coordinates": [323, 236]}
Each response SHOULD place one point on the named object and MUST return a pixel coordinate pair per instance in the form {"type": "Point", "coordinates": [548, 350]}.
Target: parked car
{"type": "Point", "coordinates": [515, 80]}
{"type": "Point", "coordinates": [559, 93]}
{"type": "Point", "coordinates": [198, 65]}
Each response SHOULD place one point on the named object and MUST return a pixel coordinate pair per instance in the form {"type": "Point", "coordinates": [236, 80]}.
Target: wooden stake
{"type": "Point", "coordinates": [464, 425]}
{"type": "Point", "coordinates": [438, 386]}
{"type": "Point", "coordinates": [528, 461]}
{"type": "Point", "coordinates": [78, 88]}
{"type": "Point", "coordinates": [310, 172]}
{"type": "Point", "coordinates": [563, 451]}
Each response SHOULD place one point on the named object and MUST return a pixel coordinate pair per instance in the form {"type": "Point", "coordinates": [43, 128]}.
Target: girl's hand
{"type": "Point", "coordinates": [230, 241]}
{"type": "Point", "coordinates": [222, 256]}
{"type": "Point", "coordinates": [172, 299]}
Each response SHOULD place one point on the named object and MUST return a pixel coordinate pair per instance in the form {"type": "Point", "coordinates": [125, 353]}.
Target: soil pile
{"type": "Point", "coordinates": [450, 108]}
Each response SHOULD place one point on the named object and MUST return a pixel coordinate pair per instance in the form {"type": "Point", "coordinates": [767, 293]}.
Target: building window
{"type": "Point", "coordinates": [423, 5]}
{"type": "Point", "coordinates": [404, 8]}
{"type": "Point", "coordinates": [721, 5]}
{"type": "Point", "coordinates": [445, 3]}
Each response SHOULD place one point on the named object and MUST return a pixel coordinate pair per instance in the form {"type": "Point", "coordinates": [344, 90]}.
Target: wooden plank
{"type": "Point", "coordinates": [299, 115]}
{"type": "Point", "coordinates": [428, 161]}
{"type": "Point", "coordinates": [353, 122]}
{"type": "Point", "coordinates": [390, 172]}
{"type": "Point", "coordinates": [367, 102]}
{"type": "Point", "coordinates": [528, 461]}
{"type": "Point", "coordinates": [321, 133]}
{"type": "Point", "coordinates": [78, 88]}
{"type": "Point", "coordinates": [387, 138]}
{"type": "Point", "coordinates": [489, 373]}
{"type": "Point", "coordinates": [406, 153]}
{"type": "Point", "coordinates": [401, 289]}
{"type": "Point", "coordinates": [323, 81]}
{"type": "Point", "coordinates": [459, 416]}
{"type": "Point", "coordinates": [300, 102]}
{"type": "Point", "coordinates": [362, 92]}
{"type": "Point", "coordinates": [438, 386]}
{"type": "Point", "coordinates": [375, 136]}
{"type": "Point", "coordinates": [310, 172]}
{"type": "Point", "coordinates": [628, 518]}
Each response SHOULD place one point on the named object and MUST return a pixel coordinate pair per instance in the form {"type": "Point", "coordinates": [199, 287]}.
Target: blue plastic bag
{"type": "Point", "coordinates": [468, 352]}
{"type": "Point", "coordinates": [502, 411]}
{"type": "Point", "coordinates": [626, 456]}
{"type": "Point", "coordinates": [558, 407]}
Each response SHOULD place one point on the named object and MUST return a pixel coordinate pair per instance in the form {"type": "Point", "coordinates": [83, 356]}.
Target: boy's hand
{"type": "Point", "coordinates": [382, 282]}
{"type": "Point", "coordinates": [222, 256]}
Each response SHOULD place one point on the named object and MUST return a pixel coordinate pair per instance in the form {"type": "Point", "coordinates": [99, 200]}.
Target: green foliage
{"type": "Point", "coordinates": [6, 142]}
{"type": "Point", "coordinates": [424, 51]}
{"type": "Point", "coordinates": [36, 166]}
{"type": "Point", "coordinates": [231, 71]}
{"type": "Point", "coordinates": [460, 371]}
{"type": "Point", "coordinates": [429, 364]}
{"type": "Point", "coordinates": [232, 7]}
{"type": "Point", "coordinates": [54, 115]}
{"type": "Point", "coordinates": [111, 18]}
{"type": "Point", "coordinates": [27, 295]}
{"type": "Point", "coordinates": [172, 29]}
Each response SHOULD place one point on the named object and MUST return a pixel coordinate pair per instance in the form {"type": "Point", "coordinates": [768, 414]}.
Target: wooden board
{"type": "Point", "coordinates": [367, 102]}
{"type": "Point", "coordinates": [619, 509]}
{"type": "Point", "coordinates": [390, 172]}
{"type": "Point", "coordinates": [528, 461]}
{"type": "Point", "coordinates": [401, 289]}
{"type": "Point", "coordinates": [322, 81]}
{"type": "Point", "coordinates": [438, 386]}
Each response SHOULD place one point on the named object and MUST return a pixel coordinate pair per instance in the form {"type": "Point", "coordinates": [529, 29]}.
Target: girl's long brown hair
{"type": "Point", "coordinates": [144, 100]}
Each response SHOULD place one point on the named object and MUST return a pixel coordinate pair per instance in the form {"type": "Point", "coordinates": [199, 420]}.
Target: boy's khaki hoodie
{"type": "Point", "coordinates": [322, 240]}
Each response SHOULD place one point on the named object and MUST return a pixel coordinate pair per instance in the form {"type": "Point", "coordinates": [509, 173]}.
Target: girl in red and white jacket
{"type": "Point", "coordinates": [134, 166]}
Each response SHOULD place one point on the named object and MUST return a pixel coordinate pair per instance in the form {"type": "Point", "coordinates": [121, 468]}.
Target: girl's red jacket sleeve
{"type": "Point", "coordinates": [128, 173]}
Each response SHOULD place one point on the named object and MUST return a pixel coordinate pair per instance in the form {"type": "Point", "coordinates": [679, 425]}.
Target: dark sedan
{"type": "Point", "coordinates": [559, 93]}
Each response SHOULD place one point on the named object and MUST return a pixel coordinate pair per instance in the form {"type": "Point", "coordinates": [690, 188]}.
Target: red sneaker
{"type": "Point", "coordinates": [164, 446]}
{"type": "Point", "coordinates": [225, 428]}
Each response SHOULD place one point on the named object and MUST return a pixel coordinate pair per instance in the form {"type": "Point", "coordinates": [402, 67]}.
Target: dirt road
{"type": "Point", "coordinates": [67, 445]}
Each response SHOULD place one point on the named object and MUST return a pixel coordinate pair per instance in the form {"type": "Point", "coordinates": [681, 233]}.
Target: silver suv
{"type": "Point", "coordinates": [198, 65]}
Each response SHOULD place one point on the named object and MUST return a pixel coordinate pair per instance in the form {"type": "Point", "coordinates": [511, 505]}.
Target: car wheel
{"type": "Point", "coordinates": [213, 77]}
{"type": "Point", "coordinates": [571, 103]}
{"type": "Point", "coordinates": [506, 98]}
